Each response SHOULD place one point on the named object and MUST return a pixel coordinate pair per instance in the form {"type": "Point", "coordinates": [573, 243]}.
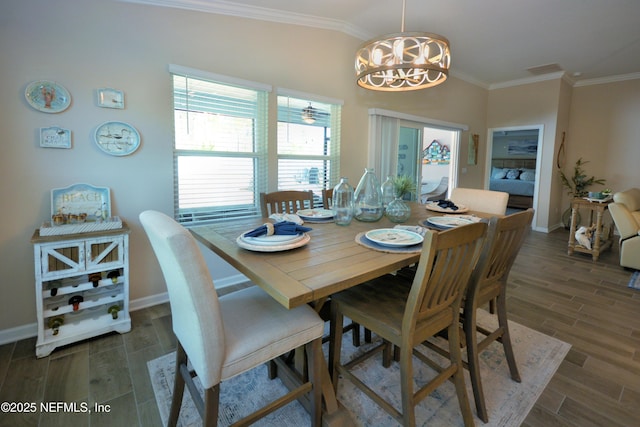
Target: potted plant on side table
{"type": "Point", "coordinates": [577, 185]}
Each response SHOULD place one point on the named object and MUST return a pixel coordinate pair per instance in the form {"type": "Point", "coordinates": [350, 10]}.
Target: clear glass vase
{"type": "Point", "coordinates": [368, 198]}
{"type": "Point", "coordinates": [342, 203]}
{"type": "Point", "coordinates": [398, 210]}
{"type": "Point", "coordinates": [388, 192]}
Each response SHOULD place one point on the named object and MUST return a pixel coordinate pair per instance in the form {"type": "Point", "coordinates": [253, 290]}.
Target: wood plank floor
{"type": "Point", "coordinates": [584, 303]}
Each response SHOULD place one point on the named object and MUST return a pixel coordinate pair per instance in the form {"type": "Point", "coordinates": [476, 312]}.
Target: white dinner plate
{"type": "Point", "coordinates": [315, 213]}
{"type": "Point", "coordinates": [304, 239]}
{"type": "Point", "coordinates": [434, 207]}
{"type": "Point", "coordinates": [394, 237]}
{"type": "Point", "coordinates": [273, 240]}
{"type": "Point", "coordinates": [450, 221]}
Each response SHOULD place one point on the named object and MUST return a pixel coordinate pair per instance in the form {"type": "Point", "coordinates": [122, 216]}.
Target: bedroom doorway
{"type": "Point", "coordinates": [513, 164]}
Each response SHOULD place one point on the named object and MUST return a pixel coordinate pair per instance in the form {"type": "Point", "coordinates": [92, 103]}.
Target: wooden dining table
{"type": "Point", "coordinates": [330, 262]}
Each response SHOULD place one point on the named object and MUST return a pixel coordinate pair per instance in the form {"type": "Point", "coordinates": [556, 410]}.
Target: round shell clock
{"type": "Point", "coordinates": [117, 138]}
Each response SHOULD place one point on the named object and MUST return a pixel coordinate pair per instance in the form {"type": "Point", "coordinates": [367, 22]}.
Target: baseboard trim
{"type": "Point", "coordinates": [31, 330]}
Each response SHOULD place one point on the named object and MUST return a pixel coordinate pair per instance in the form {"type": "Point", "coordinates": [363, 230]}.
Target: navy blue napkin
{"type": "Point", "coordinates": [281, 228]}
{"type": "Point", "coordinates": [447, 204]}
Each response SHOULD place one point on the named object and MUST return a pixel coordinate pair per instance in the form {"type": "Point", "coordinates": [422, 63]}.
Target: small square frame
{"type": "Point", "coordinates": [110, 98]}
{"type": "Point", "coordinates": [55, 137]}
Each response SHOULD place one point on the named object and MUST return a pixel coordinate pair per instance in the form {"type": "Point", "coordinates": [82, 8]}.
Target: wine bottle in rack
{"type": "Point", "coordinates": [95, 279]}
{"type": "Point", "coordinates": [113, 311]}
{"type": "Point", "coordinates": [55, 323]}
{"type": "Point", "coordinates": [113, 275]}
{"type": "Point", "coordinates": [75, 301]}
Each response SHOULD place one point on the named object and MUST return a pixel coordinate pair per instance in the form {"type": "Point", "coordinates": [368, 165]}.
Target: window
{"type": "Point", "coordinates": [308, 143]}
{"type": "Point", "coordinates": [220, 151]}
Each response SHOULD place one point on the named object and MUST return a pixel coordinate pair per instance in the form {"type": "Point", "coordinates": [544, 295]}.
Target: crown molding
{"type": "Point", "coordinates": [527, 80]}
{"type": "Point", "coordinates": [222, 7]}
{"type": "Point", "coordinates": [606, 80]}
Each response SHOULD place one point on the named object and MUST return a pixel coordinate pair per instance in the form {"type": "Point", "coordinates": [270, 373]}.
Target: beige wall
{"type": "Point", "coordinates": [531, 105]}
{"type": "Point", "coordinates": [88, 44]}
{"type": "Point", "coordinates": [604, 129]}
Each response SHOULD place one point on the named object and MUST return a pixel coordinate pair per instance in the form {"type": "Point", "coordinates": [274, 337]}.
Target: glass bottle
{"type": "Point", "coordinates": [388, 192]}
{"type": "Point", "coordinates": [113, 311]}
{"type": "Point", "coordinates": [342, 202]}
{"type": "Point", "coordinates": [368, 198]}
{"type": "Point", "coordinates": [55, 323]}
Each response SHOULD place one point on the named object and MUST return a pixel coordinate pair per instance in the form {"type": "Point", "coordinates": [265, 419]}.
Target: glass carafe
{"type": "Point", "coordinates": [342, 202]}
{"type": "Point", "coordinates": [368, 198]}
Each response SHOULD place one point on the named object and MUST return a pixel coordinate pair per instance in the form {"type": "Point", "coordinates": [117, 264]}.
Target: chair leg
{"type": "Point", "coordinates": [506, 338]}
{"type": "Point", "coordinates": [211, 405]}
{"type": "Point", "coordinates": [178, 387]}
{"type": "Point", "coordinates": [314, 355]}
{"type": "Point", "coordinates": [458, 376]}
{"type": "Point", "coordinates": [474, 363]}
{"type": "Point", "coordinates": [355, 334]}
{"type": "Point", "coordinates": [335, 343]}
{"type": "Point", "coordinates": [367, 335]}
{"type": "Point", "coordinates": [406, 388]}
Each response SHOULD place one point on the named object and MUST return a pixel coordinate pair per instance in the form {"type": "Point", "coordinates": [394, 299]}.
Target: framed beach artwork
{"type": "Point", "coordinates": [524, 147]}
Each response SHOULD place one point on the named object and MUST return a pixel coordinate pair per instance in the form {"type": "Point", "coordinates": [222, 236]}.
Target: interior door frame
{"type": "Point", "coordinates": [489, 156]}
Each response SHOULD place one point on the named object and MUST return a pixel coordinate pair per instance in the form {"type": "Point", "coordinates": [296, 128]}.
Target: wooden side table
{"type": "Point", "coordinates": [600, 242]}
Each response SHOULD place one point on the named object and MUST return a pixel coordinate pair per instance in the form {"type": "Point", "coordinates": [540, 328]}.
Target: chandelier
{"type": "Point", "coordinates": [403, 61]}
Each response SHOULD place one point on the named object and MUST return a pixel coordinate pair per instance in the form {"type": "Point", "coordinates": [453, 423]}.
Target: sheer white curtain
{"type": "Point", "coordinates": [383, 142]}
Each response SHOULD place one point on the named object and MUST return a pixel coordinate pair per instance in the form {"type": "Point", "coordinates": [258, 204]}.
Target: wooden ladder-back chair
{"type": "Point", "coordinates": [487, 201]}
{"type": "Point", "coordinates": [289, 201]}
{"type": "Point", "coordinates": [405, 316]}
{"type": "Point", "coordinates": [327, 198]}
{"type": "Point", "coordinates": [489, 283]}
{"type": "Point", "coordinates": [224, 337]}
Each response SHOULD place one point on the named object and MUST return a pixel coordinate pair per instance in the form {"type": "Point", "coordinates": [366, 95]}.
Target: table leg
{"type": "Point", "coordinates": [598, 230]}
{"type": "Point", "coordinates": [572, 229]}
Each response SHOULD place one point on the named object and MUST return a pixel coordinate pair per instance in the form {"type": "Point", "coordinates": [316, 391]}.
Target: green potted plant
{"type": "Point", "coordinates": [403, 185]}
{"type": "Point", "coordinates": [577, 185]}
{"type": "Point", "coordinates": [397, 210]}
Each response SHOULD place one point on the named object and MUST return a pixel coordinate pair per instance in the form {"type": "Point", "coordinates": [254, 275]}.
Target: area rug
{"type": "Point", "coordinates": [634, 282]}
{"type": "Point", "coordinates": [508, 402]}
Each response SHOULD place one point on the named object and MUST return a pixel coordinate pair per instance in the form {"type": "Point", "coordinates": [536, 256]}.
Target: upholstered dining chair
{"type": "Point", "coordinates": [405, 316]}
{"type": "Point", "coordinates": [226, 336]}
{"type": "Point", "coordinates": [487, 201]}
{"type": "Point", "coordinates": [288, 201]}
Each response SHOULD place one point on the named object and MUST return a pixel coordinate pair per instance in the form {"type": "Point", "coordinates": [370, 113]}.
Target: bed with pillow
{"type": "Point", "coordinates": [516, 177]}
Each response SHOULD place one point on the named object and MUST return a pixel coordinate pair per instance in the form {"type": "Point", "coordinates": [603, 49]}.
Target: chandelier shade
{"type": "Point", "coordinates": [309, 115]}
{"type": "Point", "coordinates": [403, 61]}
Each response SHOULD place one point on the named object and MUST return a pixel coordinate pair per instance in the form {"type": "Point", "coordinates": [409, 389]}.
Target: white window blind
{"type": "Point", "coordinates": [220, 151]}
{"type": "Point", "coordinates": [308, 151]}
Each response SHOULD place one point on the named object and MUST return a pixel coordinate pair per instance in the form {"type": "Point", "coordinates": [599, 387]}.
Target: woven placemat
{"type": "Point", "coordinates": [362, 240]}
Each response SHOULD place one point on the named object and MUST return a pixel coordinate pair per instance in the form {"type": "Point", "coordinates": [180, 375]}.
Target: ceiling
{"type": "Point", "coordinates": [493, 42]}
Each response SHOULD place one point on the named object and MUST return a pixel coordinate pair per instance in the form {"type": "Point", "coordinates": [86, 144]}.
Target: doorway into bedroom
{"type": "Point", "coordinates": [514, 166]}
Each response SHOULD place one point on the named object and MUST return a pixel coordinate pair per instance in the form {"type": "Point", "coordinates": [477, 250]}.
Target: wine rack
{"type": "Point", "coordinates": [82, 286]}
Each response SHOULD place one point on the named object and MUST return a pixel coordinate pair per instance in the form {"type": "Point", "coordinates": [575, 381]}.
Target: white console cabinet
{"type": "Point", "coordinates": [82, 286]}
